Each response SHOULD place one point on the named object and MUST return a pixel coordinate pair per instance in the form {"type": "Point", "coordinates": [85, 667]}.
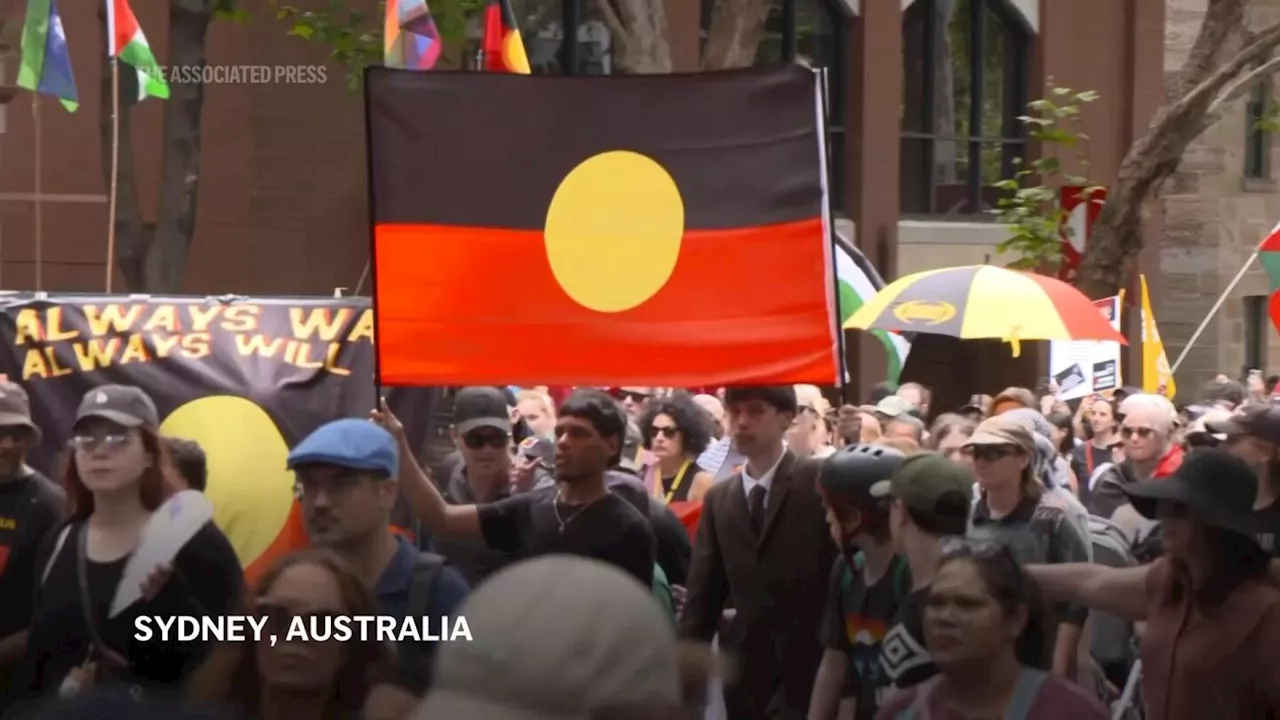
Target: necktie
{"type": "Point", "coordinates": [755, 506]}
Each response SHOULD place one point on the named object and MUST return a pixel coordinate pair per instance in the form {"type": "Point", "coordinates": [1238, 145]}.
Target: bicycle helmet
{"type": "Point", "coordinates": [853, 470]}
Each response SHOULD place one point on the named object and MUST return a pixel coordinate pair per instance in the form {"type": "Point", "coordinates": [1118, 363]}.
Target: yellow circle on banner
{"type": "Point", "coordinates": [251, 491]}
{"type": "Point", "coordinates": [614, 230]}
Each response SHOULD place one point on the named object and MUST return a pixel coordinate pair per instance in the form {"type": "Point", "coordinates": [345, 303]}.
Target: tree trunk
{"type": "Point", "coordinates": [180, 170]}
{"type": "Point", "coordinates": [737, 26]}
{"type": "Point", "coordinates": [639, 29]}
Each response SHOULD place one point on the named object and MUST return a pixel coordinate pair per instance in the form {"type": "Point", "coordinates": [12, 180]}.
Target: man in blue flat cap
{"type": "Point", "coordinates": [346, 481]}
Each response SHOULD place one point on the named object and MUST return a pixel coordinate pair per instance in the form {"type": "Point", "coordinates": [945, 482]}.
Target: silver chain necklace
{"type": "Point", "coordinates": [564, 522]}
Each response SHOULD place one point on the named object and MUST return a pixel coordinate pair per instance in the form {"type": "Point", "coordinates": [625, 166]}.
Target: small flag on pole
{"type": "Point", "coordinates": [46, 62]}
{"type": "Point", "coordinates": [410, 39]}
{"type": "Point", "coordinates": [1157, 375]}
{"type": "Point", "coordinates": [857, 281]}
{"type": "Point", "coordinates": [125, 41]}
{"type": "Point", "coordinates": [502, 45]}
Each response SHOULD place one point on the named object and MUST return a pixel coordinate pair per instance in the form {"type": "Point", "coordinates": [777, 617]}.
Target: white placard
{"type": "Point", "coordinates": [1084, 367]}
{"type": "Point", "coordinates": [171, 526]}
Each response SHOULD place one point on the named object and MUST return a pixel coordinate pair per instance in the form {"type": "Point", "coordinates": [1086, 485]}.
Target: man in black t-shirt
{"type": "Point", "coordinates": [581, 516]}
{"type": "Point", "coordinates": [931, 499]}
{"type": "Point", "coordinates": [30, 506]}
{"type": "Point", "coordinates": [868, 581]}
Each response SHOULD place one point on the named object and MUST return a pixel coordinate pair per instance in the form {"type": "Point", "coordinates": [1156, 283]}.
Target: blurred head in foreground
{"type": "Point", "coordinates": [561, 638]}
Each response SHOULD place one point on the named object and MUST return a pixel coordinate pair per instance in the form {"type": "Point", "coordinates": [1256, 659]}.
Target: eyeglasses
{"type": "Point", "coordinates": [669, 432]}
{"type": "Point", "coordinates": [992, 453]}
{"type": "Point", "coordinates": [635, 397]}
{"type": "Point", "coordinates": [280, 618]}
{"type": "Point", "coordinates": [478, 440]}
{"type": "Point", "coordinates": [91, 443]}
{"type": "Point", "coordinates": [1142, 432]}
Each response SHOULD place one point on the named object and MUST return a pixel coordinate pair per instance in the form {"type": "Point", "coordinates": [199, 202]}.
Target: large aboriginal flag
{"type": "Point", "coordinates": [659, 230]}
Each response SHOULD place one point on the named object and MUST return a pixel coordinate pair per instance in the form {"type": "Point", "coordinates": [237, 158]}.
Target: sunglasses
{"type": "Point", "coordinates": [634, 397]}
{"type": "Point", "coordinates": [669, 432]}
{"type": "Point", "coordinates": [478, 440]}
{"type": "Point", "coordinates": [280, 618]}
{"type": "Point", "coordinates": [1142, 432]}
{"type": "Point", "coordinates": [109, 441]}
{"type": "Point", "coordinates": [992, 453]}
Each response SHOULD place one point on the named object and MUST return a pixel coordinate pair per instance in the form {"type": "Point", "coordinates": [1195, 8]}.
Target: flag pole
{"type": "Point", "coordinates": [1214, 310]}
{"type": "Point", "coordinates": [39, 211]}
{"type": "Point", "coordinates": [115, 172]}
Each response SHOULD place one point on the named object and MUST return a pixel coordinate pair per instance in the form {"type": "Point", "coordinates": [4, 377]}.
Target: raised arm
{"type": "Point", "coordinates": [1116, 591]}
{"type": "Point", "coordinates": [425, 501]}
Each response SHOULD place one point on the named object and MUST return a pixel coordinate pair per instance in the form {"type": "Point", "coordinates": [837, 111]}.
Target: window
{"type": "Point", "coordinates": [1257, 141]}
{"type": "Point", "coordinates": [1255, 331]}
{"type": "Point", "coordinates": [542, 24]}
{"type": "Point", "coordinates": [812, 31]}
{"type": "Point", "coordinates": [964, 85]}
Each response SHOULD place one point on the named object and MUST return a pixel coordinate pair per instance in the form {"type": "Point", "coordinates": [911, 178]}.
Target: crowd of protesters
{"type": "Point", "coordinates": [1019, 557]}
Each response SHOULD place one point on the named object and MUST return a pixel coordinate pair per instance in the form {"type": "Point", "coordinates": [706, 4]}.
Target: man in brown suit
{"type": "Point", "coordinates": [763, 550]}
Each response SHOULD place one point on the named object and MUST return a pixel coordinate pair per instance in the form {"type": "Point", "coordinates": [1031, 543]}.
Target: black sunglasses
{"type": "Point", "coordinates": [280, 618]}
{"type": "Point", "coordinates": [992, 453]}
{"type": "Point", "coordinates": [477, 440]}
{"type": "Point", "coordinates": [634, 397]}
{"type": "Point", "coordinates": [669, 432]}
{"type": "Point", "coordinates": [1142, 432]}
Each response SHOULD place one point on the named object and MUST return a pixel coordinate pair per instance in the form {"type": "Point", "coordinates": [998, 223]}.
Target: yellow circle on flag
{"type": "Point", "coordinates": [613, 230]}
{"type": "Point", "coordinates": [249, 487]}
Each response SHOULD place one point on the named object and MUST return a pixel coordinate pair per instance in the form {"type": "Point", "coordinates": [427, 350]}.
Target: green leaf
{"type": "Point", "coordinates": [306, 32]}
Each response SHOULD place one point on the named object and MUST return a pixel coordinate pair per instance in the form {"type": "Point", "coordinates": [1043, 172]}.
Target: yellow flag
{"type": "Point", "coordinates": [1157, 376]}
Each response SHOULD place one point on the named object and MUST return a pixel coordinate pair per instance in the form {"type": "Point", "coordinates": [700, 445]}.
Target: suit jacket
{"type": "Point", "coordinates": [777, 583]}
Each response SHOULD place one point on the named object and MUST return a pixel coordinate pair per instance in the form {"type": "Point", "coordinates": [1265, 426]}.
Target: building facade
{"type": "Point", "coordinates": [923, 101]}
{"type": "Point", "coordinates": [1223, 201]}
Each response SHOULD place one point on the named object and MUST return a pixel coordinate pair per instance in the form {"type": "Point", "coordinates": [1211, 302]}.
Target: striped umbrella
{"type": "Point", "coordinates": [985, 301]}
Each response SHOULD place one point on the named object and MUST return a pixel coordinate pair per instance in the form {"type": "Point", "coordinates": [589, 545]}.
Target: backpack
{"type": "Point", "coordinates": [1110, 641]}
{"type": "Point", "coordinates": [901, 588]}
{"type": "Point", "coordinates": [416, 659]}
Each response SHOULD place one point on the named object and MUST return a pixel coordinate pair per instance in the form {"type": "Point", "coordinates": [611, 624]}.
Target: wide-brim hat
{"type": "Point", "coordinates": [1216, 487]}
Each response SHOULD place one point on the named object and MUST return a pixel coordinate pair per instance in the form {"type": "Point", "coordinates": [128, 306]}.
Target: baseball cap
{"type": "Point", "coordinates": [349, 443]}
{"type": "Point", "coordinates": [1262, 422]}
{"type": "Point", "coordinates": [892, 406]}
{"type": "Point", "coordinates": [1001, 430]}
{"type": "Point", "coordinates": [481, 407]}
{"type": "Point", "coordinates": [547, 643]}
{"type": "Point", "coordinates": [15, 407]}
{"type": "Point", "coordinates": [924, 482]}
{"type": "Point", "coordinates": [124, 405]}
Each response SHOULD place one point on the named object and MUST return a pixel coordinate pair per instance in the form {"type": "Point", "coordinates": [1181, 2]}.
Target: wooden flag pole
{"type": "Point", "coordinates": [115, 173]}
{"type": "Point", "coordinates": [35, 118]}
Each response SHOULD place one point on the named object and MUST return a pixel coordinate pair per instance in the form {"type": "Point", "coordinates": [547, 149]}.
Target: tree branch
{"type": "Point", "coordinates": [1238, 89]}
{"type": "Point", "coordinates": [1221, 18]}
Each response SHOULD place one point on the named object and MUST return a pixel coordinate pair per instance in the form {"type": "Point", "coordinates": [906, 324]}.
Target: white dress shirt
{"type": "Point", "coordinates": [765, 480]}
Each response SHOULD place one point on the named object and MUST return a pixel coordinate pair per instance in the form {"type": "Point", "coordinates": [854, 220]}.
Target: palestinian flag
{"type": "Point", "coordinates": [126, 42]}
{"type": "Point", "coordinates": [501, 46]}
{"type": "Point", "coordinates": [858, 280]}
{"type": "Point", "coordinates": [673, 236]}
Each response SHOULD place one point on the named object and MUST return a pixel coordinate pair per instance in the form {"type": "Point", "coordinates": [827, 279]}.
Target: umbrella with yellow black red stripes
{"type": "Point", "coordinates": [985, 301]}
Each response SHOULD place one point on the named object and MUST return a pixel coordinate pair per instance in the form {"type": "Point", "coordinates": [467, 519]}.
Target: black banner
{"type": "Point", "coordinates": [247, 378]}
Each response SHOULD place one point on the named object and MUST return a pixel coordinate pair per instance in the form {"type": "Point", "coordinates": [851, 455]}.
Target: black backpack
{"type": "Point", "coordinates": [417, 659]}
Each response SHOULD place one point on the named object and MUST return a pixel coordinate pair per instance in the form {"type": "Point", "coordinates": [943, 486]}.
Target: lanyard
{"type": "Point", "coordinates": [675, 484]}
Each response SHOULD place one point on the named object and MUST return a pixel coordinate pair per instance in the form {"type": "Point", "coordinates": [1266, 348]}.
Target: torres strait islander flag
{"type": "Point", "coordinates": [672, 236]}
{"type": "Point", "coordinates": [501, 46]}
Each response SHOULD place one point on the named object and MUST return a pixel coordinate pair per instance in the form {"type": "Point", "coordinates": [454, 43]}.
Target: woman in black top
{"type": "Point", "coordinates": [676, 430]}
{"type": "Point", "coordinates": [114, 483]}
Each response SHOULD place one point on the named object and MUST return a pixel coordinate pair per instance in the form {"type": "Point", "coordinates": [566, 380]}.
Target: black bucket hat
{"type": "Point", "coordinates": [1217, 488]}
